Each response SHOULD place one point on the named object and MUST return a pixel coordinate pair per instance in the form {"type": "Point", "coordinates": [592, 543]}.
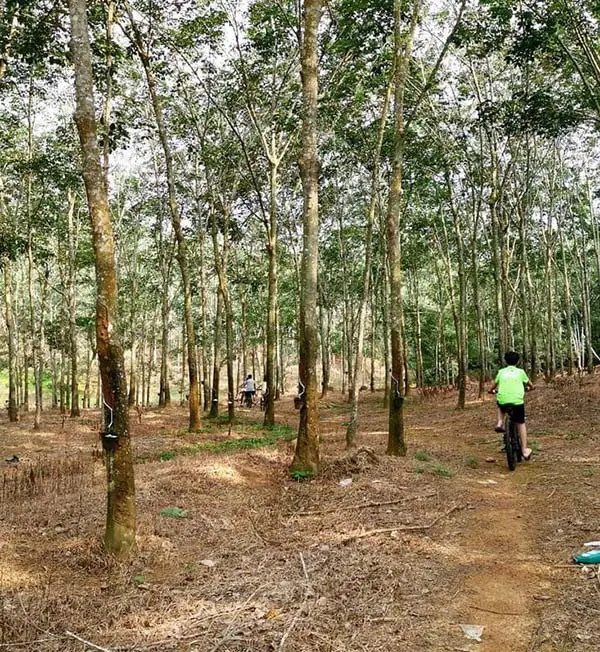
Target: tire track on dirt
{"type": "Point", "coordinates": [504, 573]}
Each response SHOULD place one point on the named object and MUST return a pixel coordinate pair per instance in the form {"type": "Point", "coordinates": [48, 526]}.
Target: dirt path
{"type": "Point", "coordinates": [509, 544]}
{"type": "Point", "coordinates": [500, 547]}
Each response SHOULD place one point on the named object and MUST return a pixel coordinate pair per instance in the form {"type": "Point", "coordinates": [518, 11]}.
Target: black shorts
{"type": "Point", "coordinates": [517, 411]}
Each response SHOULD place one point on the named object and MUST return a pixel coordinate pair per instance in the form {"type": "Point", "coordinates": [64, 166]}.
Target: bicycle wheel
{"type": "Point", "coordinates": [516, 441]}
{"type": "Point", "coordinates": [508, 443]}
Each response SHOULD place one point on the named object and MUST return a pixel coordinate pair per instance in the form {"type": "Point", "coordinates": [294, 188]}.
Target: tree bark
{"type": "Point", "coordinates": [221, 266]}
{"type": "Point", "coordinates": [13, 408]}
{"type": "Point", "coordinates": [402, 52]}
{"type": "Point", "coordinates": [72, 306]}
{"type": "Point", "coordinates": [121, 518]}
{"type": "Point", "coordinates": [306, 458]}
{"type": "Point", "coordinates": [214, 405]}
{"type": "Point", "coordinates": [325, 327]}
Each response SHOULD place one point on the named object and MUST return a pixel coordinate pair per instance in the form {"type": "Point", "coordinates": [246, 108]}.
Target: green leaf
{"type": "Point", "coordinates": [173, 512]}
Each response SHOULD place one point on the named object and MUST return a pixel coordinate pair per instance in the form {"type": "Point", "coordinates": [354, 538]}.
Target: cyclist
{"type": "Point", "coordinates": [249, 389]}
{"type": "Point", "coordinates": [510, 386]}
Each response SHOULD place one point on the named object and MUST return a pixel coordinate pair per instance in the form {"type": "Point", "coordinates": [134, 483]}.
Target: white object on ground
{"type": "Point", "coordinates": [473, 632]}
{"type": "Point", "coordinates": [345, 482]}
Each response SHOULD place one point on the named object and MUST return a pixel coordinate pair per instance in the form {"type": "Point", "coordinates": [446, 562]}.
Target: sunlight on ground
{"type": "Point", "coordinates": [11, 577]}
{"type": "Point", "coordinates": [269, 454]}
{"type": "Point", "coordinates": [222, 471]}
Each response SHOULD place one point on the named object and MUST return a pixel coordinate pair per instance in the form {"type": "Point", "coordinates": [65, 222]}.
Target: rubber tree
{"type": "Point", "coordinates": [366, 276]}
{"type": "Point", "coordinates": [120, 530]}
{"type": "Point", "coordinates": [306, 457]}
{"type": "Point", "coordinates": [403, 39]}
{"type": "Point", "coordinates": [143, 50]}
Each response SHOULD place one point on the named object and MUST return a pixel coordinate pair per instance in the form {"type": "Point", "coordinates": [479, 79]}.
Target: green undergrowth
{"type": "Point", "coordinates": [267, 438]}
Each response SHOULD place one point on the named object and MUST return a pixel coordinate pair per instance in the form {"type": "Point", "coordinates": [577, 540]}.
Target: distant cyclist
{"type": "Point", "coordinates": [249, 389]}
{"type": "Point", "coordinates": [510, 386]}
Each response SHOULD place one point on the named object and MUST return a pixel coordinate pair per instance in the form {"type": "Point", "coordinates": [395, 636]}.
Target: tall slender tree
{"type": "Point", "coordinates": [119, 536]}
{"type": "Point", "coordinates": [306, 458]}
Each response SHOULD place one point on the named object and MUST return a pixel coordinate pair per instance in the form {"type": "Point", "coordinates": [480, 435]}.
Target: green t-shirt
{"type": "Point", "coordinates": [511, 385]}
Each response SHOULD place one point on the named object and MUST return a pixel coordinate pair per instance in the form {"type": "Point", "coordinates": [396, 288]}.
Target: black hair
{"type": "Point", "coordinates": [511, 358]}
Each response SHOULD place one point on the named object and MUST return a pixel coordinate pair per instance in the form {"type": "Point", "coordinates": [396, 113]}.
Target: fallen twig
{"type": "Point", "coordinates": [493, 611]}
{"type": "Point", "coordinates": [300, 608]}
{"type": "Point", "coordinates": [400, 528]}
{"type": "Point", "coordinates": [82, 640]}
{"type": "Point", "coordinates": [28, 643]}
{"type": "Point", "coordinates": [226, 637]}
{"type": "Point", "coordinates": [362, 505]}
{"type": "Point", "coordinates": [552, 493]}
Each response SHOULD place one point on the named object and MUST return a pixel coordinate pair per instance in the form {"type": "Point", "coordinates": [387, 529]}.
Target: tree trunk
{"type": "Point", "coordinates": [133, 301]}
{"type": "Point", "coordinates": [37, 330]}
{"type": "Point", "coordinates": [182, 396]}
{"type": "Point", "coordinates": [221, 266]}
{"type": "Point", "coordinates": [402, 52]}
{"type": "Point", "coordinates": [366, 276]}
{"type": "Point", "coordinates": [325, 326]}
{"type": "Point", "coordinates": [206, 391]}
{"type": "Point", "coordinates": [55, 379]}
{"type": "Point", "coordinates": [418, 332]}
{"type": "Point", "coordinates": [182, 256]}
{"type": "Point", "coordinates": [568, 300]}
{"type": "Point", "coordinates": [372, 342]}
{"type": "Point", "coordinates": [460, 311]}
{"type": "Point", "coordinates": [72, 306]}
{"type": "Point", "coordinates": [306, 458]}
{"type": "Point", "coordinates": [13, 408]}
{"type": "Point", "coordinates": [214, 405]}
{"type": "Point", "coordinates": [121, 519]}
{"type": "Point", "coordinates": [549, 278]}
{"type": "Point", "coordinates": [270, 369]}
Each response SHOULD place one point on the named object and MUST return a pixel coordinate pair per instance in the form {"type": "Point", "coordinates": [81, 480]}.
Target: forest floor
{"type": "Point", "coordinates": [235, 555]}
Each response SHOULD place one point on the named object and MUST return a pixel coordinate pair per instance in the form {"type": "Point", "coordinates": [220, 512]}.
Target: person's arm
{"type": "Point", "coordinates": [527, 383]}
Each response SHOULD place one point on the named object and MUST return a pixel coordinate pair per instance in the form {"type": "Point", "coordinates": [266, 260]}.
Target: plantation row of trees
{"type": "Point", "coordinates": [373, 185]}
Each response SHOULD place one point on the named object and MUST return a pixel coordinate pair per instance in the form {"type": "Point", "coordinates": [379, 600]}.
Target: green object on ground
{"type": "Point", "coordinates": [173, 512]}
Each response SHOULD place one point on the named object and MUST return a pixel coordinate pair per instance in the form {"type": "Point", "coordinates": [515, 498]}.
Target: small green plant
{"type": "Point", "coordinates": [419, 469]}
{"type": "Point", "coordinates": [535, 447]}
{"type": "Point", "coordinates": [589, 471]}
{"type": "Point", "coordinates": [301, 475]}
{"type": "Point", "coordinates": [472, 462]}
{"type": "Point", "coordinates": [173, 512]}
{"type": "Point", "coordinates": [189, 571]}
{"type": "Point", "coordinates": [443, 472]}
{"type": "Point", "coordinates": [165, 456]}
{"type": "Point", "coordinates": [423, 456]}
{"type": "Point", "coordinates": [139, 579]}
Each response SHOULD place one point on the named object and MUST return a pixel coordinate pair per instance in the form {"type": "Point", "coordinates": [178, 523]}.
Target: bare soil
{"type": "Point", "coordinates": [396, 560]}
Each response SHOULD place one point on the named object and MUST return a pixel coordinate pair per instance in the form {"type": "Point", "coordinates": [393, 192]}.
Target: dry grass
{"type": "Point", "coordinates": [244, 570]}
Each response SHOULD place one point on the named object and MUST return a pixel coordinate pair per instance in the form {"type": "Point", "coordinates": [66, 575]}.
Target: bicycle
{"type": "Point", "coordinates": [512, 443]}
